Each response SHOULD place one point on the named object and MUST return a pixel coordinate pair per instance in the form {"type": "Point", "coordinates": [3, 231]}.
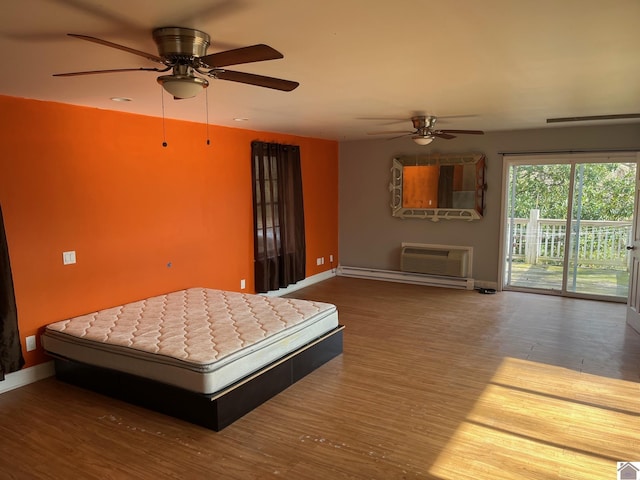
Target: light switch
{"type": "Point", "coordinates": [69, 258]}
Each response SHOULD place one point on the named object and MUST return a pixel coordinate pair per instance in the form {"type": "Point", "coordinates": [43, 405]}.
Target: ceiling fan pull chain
{"type": "Point", "coordinates": [164, 130]}
{"type": "Point", "coordinates": [206, 105]}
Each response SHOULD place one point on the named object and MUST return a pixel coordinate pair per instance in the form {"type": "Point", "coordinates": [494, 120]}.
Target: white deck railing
{"type": "Point", "coordinates": [538, 240]}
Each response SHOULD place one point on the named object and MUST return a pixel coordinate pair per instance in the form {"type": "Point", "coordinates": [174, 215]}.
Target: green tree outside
{"type": "Point", "coordinates": [607, 190]}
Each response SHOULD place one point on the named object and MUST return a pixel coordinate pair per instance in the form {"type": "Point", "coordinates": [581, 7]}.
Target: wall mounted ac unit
{"type": "Point", "coordinates": [435, 260]}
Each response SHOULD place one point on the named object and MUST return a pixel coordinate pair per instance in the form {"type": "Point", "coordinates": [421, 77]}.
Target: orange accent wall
{"type": "Point", "coordinates": [143, 219]}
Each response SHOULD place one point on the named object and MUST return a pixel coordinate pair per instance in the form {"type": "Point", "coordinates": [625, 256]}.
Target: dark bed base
{"type": "Point", "coordinates": [214, 411]}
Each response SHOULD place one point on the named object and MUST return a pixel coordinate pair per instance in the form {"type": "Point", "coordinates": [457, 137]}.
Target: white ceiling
{"type": "Point", "coordinates": [493, 64]}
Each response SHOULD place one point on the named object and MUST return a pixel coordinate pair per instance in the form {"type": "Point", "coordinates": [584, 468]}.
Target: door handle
{"type": "Point", "coordinates": [631, 247]}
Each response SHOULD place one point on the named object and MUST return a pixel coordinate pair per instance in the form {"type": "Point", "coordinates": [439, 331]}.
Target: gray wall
{"type": "Point", "coordinates": [371, 237]}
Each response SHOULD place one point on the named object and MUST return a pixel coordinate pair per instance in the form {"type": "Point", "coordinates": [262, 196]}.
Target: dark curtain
{"type": "Point", "coordinates": [278, 214]}
{"type": "Point", "coordinates": [11, 358]}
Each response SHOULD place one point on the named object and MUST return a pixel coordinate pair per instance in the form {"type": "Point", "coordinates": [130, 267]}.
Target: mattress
{"type": "Point", "coordinates": [199, 339]}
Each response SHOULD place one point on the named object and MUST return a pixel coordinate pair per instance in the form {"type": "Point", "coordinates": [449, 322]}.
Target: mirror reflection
{"type": "Point", "coordinates": [438, 186]}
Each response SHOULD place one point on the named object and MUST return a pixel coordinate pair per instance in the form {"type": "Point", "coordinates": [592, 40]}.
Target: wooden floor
{"type": "Point", "coordinates": [433, 383]}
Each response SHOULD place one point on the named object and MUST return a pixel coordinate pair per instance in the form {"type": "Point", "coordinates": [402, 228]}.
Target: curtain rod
{"type": "Point", "coordinates": [550, 152]}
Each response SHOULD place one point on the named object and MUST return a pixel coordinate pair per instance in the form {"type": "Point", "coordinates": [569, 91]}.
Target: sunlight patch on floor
{"type": "Point", "coordinates": [535, 420]}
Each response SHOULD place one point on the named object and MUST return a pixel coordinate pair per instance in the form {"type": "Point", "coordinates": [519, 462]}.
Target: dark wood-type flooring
{"type": "Point", "coordinates": [433, 383]}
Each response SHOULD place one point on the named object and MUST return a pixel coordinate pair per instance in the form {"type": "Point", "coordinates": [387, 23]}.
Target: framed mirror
{"type": "Point", "coordinates": [436, 186]}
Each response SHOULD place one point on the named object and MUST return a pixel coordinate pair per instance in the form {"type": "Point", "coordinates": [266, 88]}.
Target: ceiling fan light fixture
{"type": "Point", "coordinates": [422, 139]}
{"type": "Point", "coordinates": [183, 86]}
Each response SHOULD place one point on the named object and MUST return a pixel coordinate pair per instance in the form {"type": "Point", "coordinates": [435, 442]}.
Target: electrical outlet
{"type": "Point", "coordinates": [30, 343]}
{"type": "Point", "coordinates": [69, 258]}
{"type": "Point", "coordinates": [322, 261]}
{"type": "Point", "coordinates": [318, 261]}
{"type": "Point", "coordinates": [243, 284]}
{"type": "Point", "coordinates": [331, 258]}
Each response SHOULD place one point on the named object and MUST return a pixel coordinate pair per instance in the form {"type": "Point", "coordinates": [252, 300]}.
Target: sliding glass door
{"type": "Point", "coordinates": [568, 224]}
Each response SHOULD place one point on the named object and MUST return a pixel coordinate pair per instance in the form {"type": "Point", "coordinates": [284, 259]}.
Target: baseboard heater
{"type": "Point", "coordinates": [406, 277]}
{"type": "Point", "coordinates": [424, 264]}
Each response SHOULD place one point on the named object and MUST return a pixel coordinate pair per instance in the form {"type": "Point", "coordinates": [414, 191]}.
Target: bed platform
{"type": "Point", "coordinates": [202, 355]}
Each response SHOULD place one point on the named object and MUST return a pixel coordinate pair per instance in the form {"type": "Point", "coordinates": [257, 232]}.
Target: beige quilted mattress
{"type": "Point", "coordinates": [199, 339]}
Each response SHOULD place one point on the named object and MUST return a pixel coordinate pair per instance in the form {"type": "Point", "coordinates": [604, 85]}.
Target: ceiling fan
{"type": "Point", "coordinates": [425, 132]}
{"type": "Point", "coordinates": [184, 52]}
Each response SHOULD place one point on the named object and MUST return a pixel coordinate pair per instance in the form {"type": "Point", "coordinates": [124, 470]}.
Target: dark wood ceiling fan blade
{"type": "Point", "coordinates": [106, 13]}
{"type": "Point", "coordinates": [99, 41]}
{"type": "Point", "coordinates": [442, 134]}
{"type": "Point", "coordinates": [467, 132]}
{"type": "Point", "coordinates": [401, 136]}
{"type": "Point", "coordinates": [114, 70]}
{"type": "Point", "coordinates": [254, 53]}
{"type": "Point", "coordinates": [392, 132]}
{"type": "Point", "coordinates": [257, 80]}
{"type": "Point", "coordinates": [387, 120]}
{"type": "Point", "coordinates": [212, 10]}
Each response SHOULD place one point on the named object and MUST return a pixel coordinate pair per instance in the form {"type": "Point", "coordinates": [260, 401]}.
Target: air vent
{"type": "Point", "coordinates": [622, 116]}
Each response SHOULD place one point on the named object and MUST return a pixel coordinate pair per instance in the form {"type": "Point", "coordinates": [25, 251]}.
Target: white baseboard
{"type": "Point", "coordinates": [26, 376]}
{"type": "Point", "coordinates": [406, 277]}
{"type": "Point", "coordinates": [302, 283]}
